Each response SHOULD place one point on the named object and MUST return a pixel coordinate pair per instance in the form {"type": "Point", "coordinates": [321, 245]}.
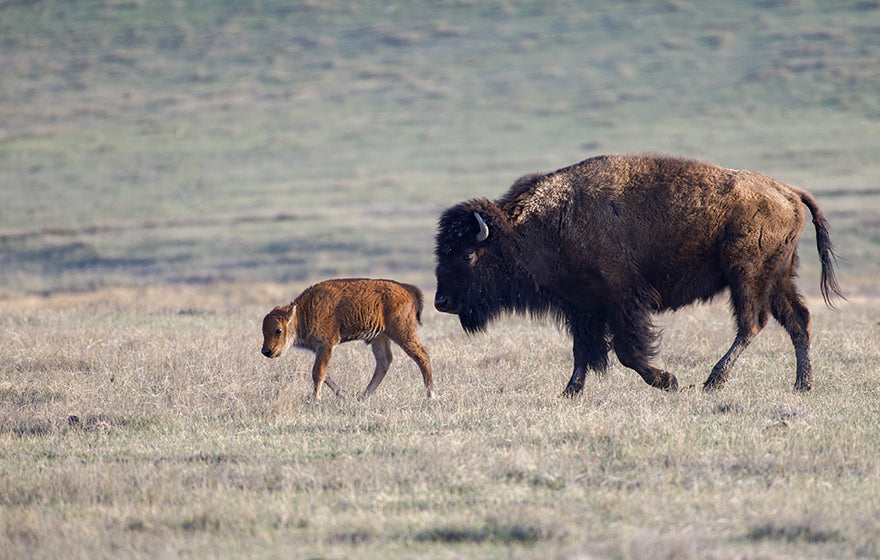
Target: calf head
{"type": "Point", "coordinates": [279, 330]}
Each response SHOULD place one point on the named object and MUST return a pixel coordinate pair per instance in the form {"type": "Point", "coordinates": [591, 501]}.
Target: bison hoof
{"type": "Point", "coordinates": [710, 386]}
{"type": "Point", "coordinates": [672, 386]}
{"type": "Point", "coordinates": [802, 387]}
{"type": "Point", "coordinates": [573, 389]}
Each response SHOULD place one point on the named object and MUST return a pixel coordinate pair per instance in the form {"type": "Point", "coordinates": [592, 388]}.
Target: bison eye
{"type": "Point", "coordinates": [469, 257]}
{"type": "Point", "coordinates": [278, 331]}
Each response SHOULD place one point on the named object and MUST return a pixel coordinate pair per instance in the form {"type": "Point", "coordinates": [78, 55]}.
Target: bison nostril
{"type": "Point", "coordinates": [445, 304]}
{"type": "Point", "coordinates": [267, 353]}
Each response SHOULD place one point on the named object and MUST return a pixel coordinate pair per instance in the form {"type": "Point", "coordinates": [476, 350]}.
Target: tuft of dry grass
{"type": "Point", "coordinates": [145, 422]}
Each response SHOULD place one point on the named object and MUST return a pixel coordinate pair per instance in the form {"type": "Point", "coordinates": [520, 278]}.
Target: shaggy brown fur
{"type": "Point", "coordinates": [336, 311]}
{"type": "Point", "coordinates": [603, 243]}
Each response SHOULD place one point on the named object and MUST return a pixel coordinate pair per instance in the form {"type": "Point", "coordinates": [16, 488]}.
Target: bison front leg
{"type": "Point", "coordinates": [653, 376]}
{"type": "Point", "coordinates": [576, 383]}
{"type": "Point", "coordinates": [634, 343]}
{"type": "Point", "coordinates": [590, 351]}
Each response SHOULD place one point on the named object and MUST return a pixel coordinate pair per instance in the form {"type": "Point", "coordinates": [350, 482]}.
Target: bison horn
{"type": "Point", "coordinates": [484, 229]}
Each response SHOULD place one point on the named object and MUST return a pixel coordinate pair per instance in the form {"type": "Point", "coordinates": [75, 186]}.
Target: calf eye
{"type": "Point", "coordinates": [278, 331]}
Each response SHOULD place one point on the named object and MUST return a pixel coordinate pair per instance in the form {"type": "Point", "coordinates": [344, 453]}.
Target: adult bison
{"type": "Point", "coordinates": [603, 243]}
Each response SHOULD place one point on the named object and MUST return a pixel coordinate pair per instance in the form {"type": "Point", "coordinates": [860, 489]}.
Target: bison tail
{"type": "Point", "coordinates": [828, 284]}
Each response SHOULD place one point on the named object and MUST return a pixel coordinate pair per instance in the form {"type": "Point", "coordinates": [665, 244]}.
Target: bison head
{"type": "Point", "coordinates": [469, 263]}
{"type": "Point", "coordinates": [279, 330]}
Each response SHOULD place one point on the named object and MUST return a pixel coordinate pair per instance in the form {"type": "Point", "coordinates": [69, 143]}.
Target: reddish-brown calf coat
{"type": "Point", "coordinates": [336, 311]}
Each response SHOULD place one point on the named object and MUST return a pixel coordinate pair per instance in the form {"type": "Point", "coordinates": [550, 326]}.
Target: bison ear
{"type": "Point", "coordinates": [291, 315]}
{"type": "Point", "coordinates": [484, 229]}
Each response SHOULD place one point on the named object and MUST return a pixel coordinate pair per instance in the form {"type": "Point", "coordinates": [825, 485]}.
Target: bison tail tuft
{"type": "Point", "coordinates": [828, 282]}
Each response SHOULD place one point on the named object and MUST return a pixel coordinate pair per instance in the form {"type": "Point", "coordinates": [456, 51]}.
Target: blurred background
{"type": "Point", "coordinates": [152, 142]}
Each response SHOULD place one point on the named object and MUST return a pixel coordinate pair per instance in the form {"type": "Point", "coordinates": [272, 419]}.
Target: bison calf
{"type": "Point", "coordinates": [335, 311]}
{"type": "Point", "coordinates": [604, 243]}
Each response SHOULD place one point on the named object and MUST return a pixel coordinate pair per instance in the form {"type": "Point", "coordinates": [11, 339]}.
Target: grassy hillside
{"type": "Point", "coordinates": [146, 142]}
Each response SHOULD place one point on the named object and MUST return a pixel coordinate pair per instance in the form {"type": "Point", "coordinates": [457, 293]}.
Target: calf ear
{"type": "Point", "coordinates": [291, 315]}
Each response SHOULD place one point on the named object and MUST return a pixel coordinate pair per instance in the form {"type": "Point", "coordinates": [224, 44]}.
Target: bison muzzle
{"type": "Point", "coordinates": [602, 244]}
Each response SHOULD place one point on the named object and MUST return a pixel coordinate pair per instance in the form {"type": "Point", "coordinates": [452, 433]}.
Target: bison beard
{"type": "Point", "coordinates": [604, 243]}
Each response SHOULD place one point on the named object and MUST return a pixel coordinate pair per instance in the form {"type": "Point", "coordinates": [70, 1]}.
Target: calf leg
{"type": "Point", "coordinates": [339, 391]}
{"type": "Point", "coordinates": [419, 354]}
{"type": "Point", "coordinates": [788, 308]}
{"type": "Point", "coordinates": [590, 349]}
{"type": "Point", "coordinates": [382, 352]}
{"type": "Point", "coordinates": [319, 372]}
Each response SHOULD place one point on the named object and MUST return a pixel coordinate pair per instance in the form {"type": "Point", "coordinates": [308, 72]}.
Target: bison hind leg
{"type": "Point", "coordinates": [721, 371]}
{"type": "Point", "coordinates": [787, 306]}
{"type": "Point", "coordinates": [749, 299]}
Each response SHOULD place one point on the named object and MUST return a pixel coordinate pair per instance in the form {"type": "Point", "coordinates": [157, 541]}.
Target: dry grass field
{"type": "Point", "coordinates": [143, 423]}
{"type": "Point", "coordinates": [170, 170]}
